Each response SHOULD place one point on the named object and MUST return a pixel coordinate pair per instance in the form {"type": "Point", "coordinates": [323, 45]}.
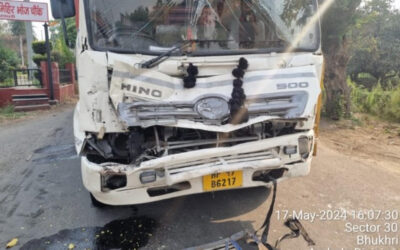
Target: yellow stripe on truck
{"type": "Point", "coordinates": [318, 114]}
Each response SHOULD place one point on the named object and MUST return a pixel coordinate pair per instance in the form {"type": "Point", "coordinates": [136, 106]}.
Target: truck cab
{"type": "Point", "coordinates": [181, 97]}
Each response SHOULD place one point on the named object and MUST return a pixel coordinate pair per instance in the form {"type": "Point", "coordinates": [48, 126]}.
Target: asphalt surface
{"type": "Point", "coordinates": [44, 204]}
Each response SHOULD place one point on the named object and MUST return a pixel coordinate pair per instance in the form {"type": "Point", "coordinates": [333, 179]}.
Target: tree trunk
{"type": "Point", "coordinates": [338, 93]}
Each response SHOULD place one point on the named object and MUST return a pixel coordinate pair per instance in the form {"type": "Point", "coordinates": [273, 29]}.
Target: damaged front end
{"type": "Point", "coordinates": [152, 139]}
{"type": "Point", "coordinates": [143, 144]}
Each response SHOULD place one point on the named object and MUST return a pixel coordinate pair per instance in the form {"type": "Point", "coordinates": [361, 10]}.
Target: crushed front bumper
{"type": "Point", "coordinates": [182, 173]}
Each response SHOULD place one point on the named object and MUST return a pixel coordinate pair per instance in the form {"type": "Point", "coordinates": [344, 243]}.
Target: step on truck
{"type": "Point", "coordinates": [178, 97]}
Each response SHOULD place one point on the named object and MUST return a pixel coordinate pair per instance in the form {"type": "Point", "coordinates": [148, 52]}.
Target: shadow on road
{"type": "Point", "coordinates": [178, 223]}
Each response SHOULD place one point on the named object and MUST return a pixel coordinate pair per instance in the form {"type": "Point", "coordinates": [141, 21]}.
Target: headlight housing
{"type": "Point", "coordinates": [305, 146]}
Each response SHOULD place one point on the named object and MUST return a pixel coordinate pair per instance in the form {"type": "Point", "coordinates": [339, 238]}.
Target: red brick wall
{"type": "Point", "coordinates": [7, 93]}
{"type": "Point", "coordinates": [66, 92]}
{"type": "Point", "coordinates": [61, 92]}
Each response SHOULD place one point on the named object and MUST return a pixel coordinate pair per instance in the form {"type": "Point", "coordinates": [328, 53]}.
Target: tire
{"type": "Point", "coordinates": [96, 203]}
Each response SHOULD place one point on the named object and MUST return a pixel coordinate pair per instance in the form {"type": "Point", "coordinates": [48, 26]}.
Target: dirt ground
{"type": "Point", "coordinates": [367, 138]}
{"type": "Point", "coordinates": [353, 188]}
{"type": "Point", "coordinates": [349, 200]}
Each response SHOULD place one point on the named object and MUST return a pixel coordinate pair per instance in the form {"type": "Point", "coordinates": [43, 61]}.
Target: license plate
{"type": "Point", "coordinates": [222, 181]}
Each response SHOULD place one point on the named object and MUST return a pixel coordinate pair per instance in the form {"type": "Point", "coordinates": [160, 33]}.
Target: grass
{"type": "Point", "coordinates": [8, 113]}
{"type": "Point", "coordinates": [383, 103]}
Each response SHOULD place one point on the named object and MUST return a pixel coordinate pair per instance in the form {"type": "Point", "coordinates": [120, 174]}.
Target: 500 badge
{"type": "Point", "coordinates": [293, 85]}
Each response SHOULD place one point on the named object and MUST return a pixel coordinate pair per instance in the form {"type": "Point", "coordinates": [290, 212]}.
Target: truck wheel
{"type": "Point", "coordinates": [96, 203]}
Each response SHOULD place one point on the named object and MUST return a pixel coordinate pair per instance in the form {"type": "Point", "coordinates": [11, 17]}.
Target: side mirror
{"type": "Point", "coordinates": [62, 8]}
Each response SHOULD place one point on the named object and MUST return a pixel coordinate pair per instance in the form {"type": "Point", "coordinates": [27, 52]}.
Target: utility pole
{"type": "Point", "coordinates": [21, 50]}
{"type": "Point", "coordinates": [29, 39]}
{"type": "Point", "coordinates": [49, 70]}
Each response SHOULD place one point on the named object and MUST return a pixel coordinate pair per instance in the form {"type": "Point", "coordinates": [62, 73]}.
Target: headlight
{"type": "Point", "coordinates": [305, 146]}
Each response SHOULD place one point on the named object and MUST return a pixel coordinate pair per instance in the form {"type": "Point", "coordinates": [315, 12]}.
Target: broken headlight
{"type": "Point", "coordinates": [305, 146]}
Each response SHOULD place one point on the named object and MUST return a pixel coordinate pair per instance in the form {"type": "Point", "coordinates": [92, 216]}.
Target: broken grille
{"type": "Point", "coordinates": [283, 105]}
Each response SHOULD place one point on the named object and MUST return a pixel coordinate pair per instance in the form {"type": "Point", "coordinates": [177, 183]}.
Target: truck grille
{"type": "Point", "coordinates": [282, 105]}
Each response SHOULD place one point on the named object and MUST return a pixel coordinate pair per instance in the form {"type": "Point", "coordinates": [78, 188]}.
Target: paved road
{"type": "Point", "coordinates": [44, 205]}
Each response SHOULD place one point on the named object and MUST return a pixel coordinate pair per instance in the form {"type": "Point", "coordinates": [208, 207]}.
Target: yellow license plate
{"type": "Point", "coordinates": [222, 181]}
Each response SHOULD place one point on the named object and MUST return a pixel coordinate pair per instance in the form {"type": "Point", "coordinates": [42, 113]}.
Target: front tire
{"type": "Point", "coordinates": [96, 203]}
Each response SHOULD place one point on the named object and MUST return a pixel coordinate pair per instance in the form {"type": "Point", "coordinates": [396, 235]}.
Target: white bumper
{"type": "Point", "coordinates": [190, 167]}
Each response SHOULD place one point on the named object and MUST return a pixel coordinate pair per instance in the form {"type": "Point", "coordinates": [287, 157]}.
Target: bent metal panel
{"type": "Point", "coordinates": [24, 11]}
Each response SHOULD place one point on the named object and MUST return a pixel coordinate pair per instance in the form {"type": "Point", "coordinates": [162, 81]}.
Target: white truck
{"type": "Point", "coordinates": [178, 97]}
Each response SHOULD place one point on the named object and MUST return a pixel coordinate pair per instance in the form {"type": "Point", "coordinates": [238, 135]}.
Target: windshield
{"type": "Point", "coordinates": [214, 26]}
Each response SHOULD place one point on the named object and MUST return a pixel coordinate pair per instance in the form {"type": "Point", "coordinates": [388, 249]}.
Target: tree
{"type": "Point", "coordinates": [60, 52]}
{"type": "Point", "coordinates": [18, 29]}
{"type": "Point", "coordinates": [336, 23]}
{"type": "Point", "coordinates": [3, 27]}
{"type": "Point", "coordinates": [57, 31]}
{"type": "Point", "coordinates": [376, 43]}
{"type": "Point", "coordinates": [71, 31]}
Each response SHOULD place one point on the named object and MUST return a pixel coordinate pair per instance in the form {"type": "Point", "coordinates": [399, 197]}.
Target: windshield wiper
{"type": "Point", "coordinates": [155, 61]}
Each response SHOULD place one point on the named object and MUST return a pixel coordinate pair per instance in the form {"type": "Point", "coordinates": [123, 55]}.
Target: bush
{"type": "Point", "coordinates": [394, 107]}
{"type": "Point", "coordinates": [8, 62]}
{"type": "Point", "coordinates": [359, 96]}
{"type": "Point", "coordinates": [38, 76]}
{"type": "Point", "coordinates": [378, 100]}
{"type": "Point", "coordinates": [382, 103]}
{"type": "Point", "coordinates": [56, 56]}
{"type": "Point", "coordinates": [38, 58]}
{"type": "Point", "coordinates": [63, 53]}
{"type": "Point", "coordinates": [39, 47]}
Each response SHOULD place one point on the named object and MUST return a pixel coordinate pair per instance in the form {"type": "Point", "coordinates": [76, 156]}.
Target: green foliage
{"type": "Point", "coordinates": [39, 47]}
{"type": "Point", "coordinates": [17, 28]}
{"type": "Point", "coordinates": [8, 112]}
{"type": "Point", "coordinates": [394, 105]}
{"type": "Point", "coordinates": [8, 61]}
{"type": "Point", "coordinates": [61, 53]}
{"type": "Point", "coordinates": [56, 56]}
{"type": "Point", "coordinates": [378, 102]}
{"type": "Point", "coordinates": [359, 97]}
{"type": "Point", "coordinates": [38, 78]}
{"type": "Point", "coordinates": [336, 22]}
{"type": "Point", "coordinates": [71, 31]}
{"type": "Point", "coordinates": [9, 82]}
{"type": "Point", "coordinates": [4, 27]}
{"type": "Point", "coordinates": [336, 110]}
{"type": "Point", "coordinates": [57, 32]}
{"type": "Point", "coordinates": [376, 44]}
{"type": "Point", "coordinates": [38, 58]}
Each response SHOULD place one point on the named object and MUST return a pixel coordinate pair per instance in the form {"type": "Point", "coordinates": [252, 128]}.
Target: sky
{"type": "Point", "coordinates": [39, 30]}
